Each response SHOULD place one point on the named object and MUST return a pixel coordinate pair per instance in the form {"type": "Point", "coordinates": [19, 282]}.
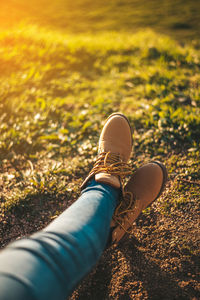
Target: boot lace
{"type": "Point", "coordinates": [112, 163]}
{"type": "Point", "coordinates": [125, 207]}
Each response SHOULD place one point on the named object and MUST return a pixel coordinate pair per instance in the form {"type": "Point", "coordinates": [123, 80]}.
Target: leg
{"type": "Point", "coordinates": [49, 264]}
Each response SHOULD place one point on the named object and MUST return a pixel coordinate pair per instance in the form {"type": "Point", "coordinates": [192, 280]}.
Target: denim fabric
{"type": "Point", "coordinates": [49, 264]}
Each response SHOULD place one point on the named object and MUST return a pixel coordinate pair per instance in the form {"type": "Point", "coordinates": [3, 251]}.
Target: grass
{"type": "Point", "coordinates": [56, 90]}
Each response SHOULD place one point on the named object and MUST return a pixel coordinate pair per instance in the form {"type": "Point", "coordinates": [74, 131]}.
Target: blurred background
{"type": "Point", "coordinates": [179, 18]}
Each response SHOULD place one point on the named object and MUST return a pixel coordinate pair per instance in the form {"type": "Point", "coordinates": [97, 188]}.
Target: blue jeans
{"type": "Point", "coordinates": [49, 264]}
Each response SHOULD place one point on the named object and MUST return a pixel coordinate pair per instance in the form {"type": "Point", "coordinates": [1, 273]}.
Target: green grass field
{"type": "Point", "coordinates": [56, 90]}
{"type": "Point", "coordinates": [61, 78]}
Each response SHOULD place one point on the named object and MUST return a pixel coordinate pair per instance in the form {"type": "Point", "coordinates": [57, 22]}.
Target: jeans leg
{"type": "Point", "coordinates": [50, 263]}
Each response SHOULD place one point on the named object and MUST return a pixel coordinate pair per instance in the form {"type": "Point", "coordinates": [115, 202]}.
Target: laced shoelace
{"type": "Point", "coordinates": [126, 206]}
{"type": "Point", "coordinates": [112, 163]}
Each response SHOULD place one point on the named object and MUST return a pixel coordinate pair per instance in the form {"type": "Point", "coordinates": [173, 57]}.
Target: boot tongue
{"type": "Point", "coordinates": [108, 179]}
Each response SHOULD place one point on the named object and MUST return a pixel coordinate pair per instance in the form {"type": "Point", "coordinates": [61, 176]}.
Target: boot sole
{"type": "Point", "coordinates": [165, 177]}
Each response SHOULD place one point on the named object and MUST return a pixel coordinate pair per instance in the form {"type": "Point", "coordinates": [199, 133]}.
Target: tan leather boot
{"type": "Point", "coordinates": [115, 146]}
{"type": "Point", "coordinates": [144, 187]}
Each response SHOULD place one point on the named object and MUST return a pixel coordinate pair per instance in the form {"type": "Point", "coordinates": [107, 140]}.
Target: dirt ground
{"type": "Point", "coordinates": [154, 263]}
{"type": "Point", "coordinates": [160, 260]}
